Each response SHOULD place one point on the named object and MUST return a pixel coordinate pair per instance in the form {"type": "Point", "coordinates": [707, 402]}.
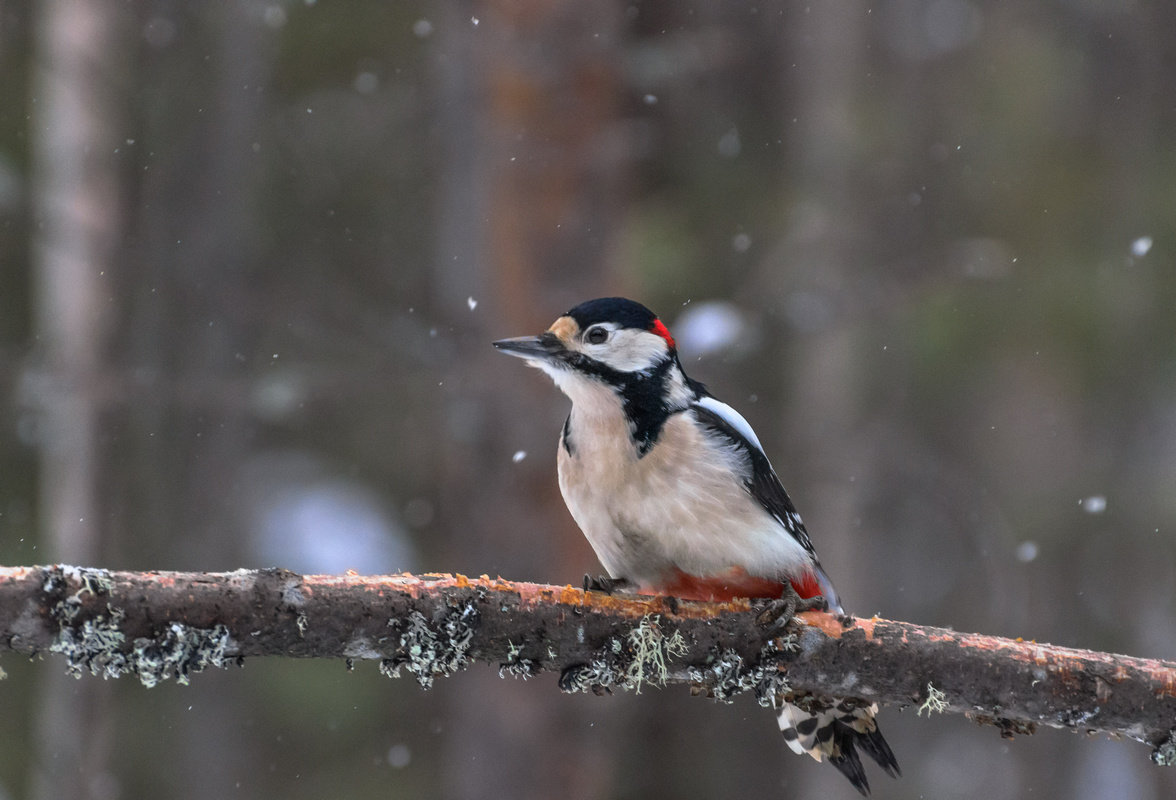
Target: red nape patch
{"type": "Point", "coordinates": [724, 587]}
{"type": "Point", "coordinates": [661, 330]}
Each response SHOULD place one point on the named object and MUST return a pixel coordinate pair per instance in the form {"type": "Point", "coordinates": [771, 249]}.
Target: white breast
{"type": "Point", "coordinates": [682, 506]}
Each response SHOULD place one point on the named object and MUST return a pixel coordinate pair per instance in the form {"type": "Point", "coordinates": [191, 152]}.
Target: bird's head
{"type": "Point", "coordinates": [607, 351]}
{"type": "Point", "coordinates": [611, 340]}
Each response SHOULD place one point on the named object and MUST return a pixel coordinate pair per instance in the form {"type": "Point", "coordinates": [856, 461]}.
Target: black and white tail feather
{"type": "Point", "coordinates": [835, 730]}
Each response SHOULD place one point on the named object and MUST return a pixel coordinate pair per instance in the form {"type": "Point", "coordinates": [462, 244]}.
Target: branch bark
{"type": "Point", "coordinates": [161, 625]}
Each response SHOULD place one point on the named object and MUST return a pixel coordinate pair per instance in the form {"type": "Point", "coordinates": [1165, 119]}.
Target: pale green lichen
{"type": "Point", "coordinates": [1164, 753]}
{"type": "Point", "coordinates": [597, 676]}
{"type": "Point", "coordinates": [99, 646]}
{"type": "Point", "coordinates": [936, 702]}
{"type": "Point", "coordinates": [427, 652]}
{"type": "Point", "coordinates": [651, 650]}
{"type": "Point", "coordinates": [727, 673]}
{"type": "Point", "coordinates": [96, 647]}
{"type": "Point", "coordinates": [642, 656]}
{"type": "Point", "coordinates": [94, 581]}
{"type": "Point", "coordinates": [515, 665]}
{"type": "Point", "coordinates": [91, 581]}
{"type": "Point", "coordinates": [178, 652]}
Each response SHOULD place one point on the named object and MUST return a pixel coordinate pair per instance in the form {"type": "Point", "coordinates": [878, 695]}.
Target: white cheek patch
{"type": "Point", "coordinates": [629, 350]}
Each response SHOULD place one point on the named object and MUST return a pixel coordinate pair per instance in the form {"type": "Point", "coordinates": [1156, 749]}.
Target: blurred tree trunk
{"type": "Point", "coordinates": [194, 335]}
{"type": "Point", "coordinates": [820, 260]}
{"type": "Point", "coordinates": [79, 221]}
{"type": "Point", "coordinates": [532, 188]}
{"type": "Point", "coordinates": [167, 411]}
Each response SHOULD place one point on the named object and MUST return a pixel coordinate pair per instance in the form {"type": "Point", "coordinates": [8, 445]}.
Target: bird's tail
{"type": "Point", "coordinates": [836, 730]}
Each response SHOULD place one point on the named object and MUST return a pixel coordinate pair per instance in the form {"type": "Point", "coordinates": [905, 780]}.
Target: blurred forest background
{"type": "Point", "coordinates": [252, 256]}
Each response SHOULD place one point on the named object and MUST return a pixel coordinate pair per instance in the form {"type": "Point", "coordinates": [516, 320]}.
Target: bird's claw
{"type": "Point", "coordinates": [780, 611]}
{"type": "Point", "coordinates": [603, 583]}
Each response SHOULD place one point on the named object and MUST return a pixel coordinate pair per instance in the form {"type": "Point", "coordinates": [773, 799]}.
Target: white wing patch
{"type": "Point", "coordinates": [732, 418]}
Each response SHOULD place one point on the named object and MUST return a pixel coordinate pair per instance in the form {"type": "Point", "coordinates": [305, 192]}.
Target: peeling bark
{"type": "Point", "coordinates": [160, 625]}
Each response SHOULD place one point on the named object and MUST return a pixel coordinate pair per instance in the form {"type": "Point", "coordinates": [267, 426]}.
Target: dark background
{"type": "Point", "coordinates": [252, 256]}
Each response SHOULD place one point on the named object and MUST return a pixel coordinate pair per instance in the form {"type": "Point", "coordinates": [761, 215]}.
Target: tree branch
{"type": "Point", "coordinates": [160, 625]}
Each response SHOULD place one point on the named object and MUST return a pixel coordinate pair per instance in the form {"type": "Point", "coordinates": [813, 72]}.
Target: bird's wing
{"type": "Point", "coordinates": [762, 484]}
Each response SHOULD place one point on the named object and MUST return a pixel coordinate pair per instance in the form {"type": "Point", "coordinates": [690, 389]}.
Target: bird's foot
{"type": "Point", "coordinates": [603, 583]}
{"type": "Point", "coordinates": [778, 612]}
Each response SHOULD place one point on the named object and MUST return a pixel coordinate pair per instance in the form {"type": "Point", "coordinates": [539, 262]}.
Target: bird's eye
{"type": "Point", "coordinates": [597, 335]}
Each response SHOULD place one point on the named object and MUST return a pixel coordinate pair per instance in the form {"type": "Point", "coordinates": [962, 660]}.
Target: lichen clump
{"type": "Point", "coordinates": [99, 646]}
{"type": "Point", "coordinates": [936, 702]}
{"type": "Point", "coordinates": [427, 651]}
{"type": "Point", "coordinates": [1164, 753]}
{"type": "Point", "coordinates": [727, 674]}
{"type": "Point", "coordinates": [642, 656]}
{"type": "Point", "coordinates": [515, 665]}
{"type": "Point", "coordinates": [180, 651]}
{"type": "Point", "coordinates": [652, 650]}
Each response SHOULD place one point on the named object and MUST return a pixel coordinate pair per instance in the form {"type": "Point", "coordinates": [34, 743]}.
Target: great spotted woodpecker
{"type": "Point", "coordinates": [674, 492]}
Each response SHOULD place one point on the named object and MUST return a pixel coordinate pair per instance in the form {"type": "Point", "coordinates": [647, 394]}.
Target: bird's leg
{"type": "Point", "coordinates": [603, 583]}
{"type": "Point", "coordinates": [779, 611]}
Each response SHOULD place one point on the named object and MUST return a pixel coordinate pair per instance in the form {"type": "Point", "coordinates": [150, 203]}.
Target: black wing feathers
{"type": "Point", "coordinates": [762, 484]}
{"type": "Point", "coordinates": [566, 436]}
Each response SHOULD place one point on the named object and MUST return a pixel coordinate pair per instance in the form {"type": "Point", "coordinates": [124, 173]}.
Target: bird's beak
{"type": "Point", "coordinates": [532, 348]}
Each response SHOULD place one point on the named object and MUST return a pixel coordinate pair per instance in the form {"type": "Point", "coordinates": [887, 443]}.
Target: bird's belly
{"type": "Point", "coordinates": [707, 531]}
{"type": "Point", "coordinates": [652, 519]}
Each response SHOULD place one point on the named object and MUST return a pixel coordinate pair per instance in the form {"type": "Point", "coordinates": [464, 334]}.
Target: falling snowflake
{"type": "Point", "coordinates": [1095, 504]}
{"type": "Point", "coordinates": [1027, 551]}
